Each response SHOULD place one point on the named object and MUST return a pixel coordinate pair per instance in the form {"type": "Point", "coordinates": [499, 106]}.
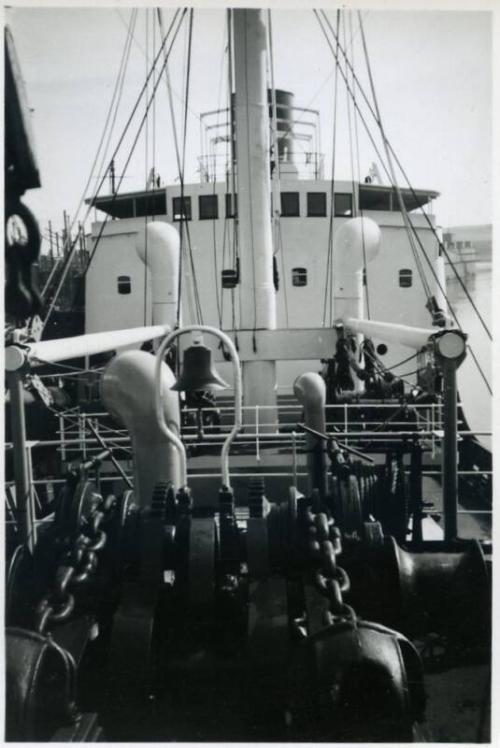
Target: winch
{"type": "Point", "coordinates": [293, 618]}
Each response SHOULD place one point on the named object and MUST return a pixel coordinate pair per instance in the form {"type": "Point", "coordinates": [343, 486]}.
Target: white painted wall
{"type": "Point", "coordinates": [305, 244]}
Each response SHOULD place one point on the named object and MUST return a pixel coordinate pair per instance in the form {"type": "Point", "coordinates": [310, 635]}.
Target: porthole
{"type": "Point", "coordinates": [299, 276]}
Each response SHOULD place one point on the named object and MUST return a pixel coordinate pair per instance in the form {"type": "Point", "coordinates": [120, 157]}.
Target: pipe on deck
{"type": "Point", "coordinates": [310, 391]}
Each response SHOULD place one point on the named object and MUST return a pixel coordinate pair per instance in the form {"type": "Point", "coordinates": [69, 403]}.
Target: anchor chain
{"type": "Point", "coordinates": [78, 563]}
{"type": "Point", "coordinates": [330, 579]}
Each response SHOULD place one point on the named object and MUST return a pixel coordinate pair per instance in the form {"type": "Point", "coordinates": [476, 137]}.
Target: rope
{"type": "Point", "coordinates": [235, 257]}
{"type": "Point", "coordinates": [443, 249]}
{"type": "Point", "coordinates": [478, 366]}
{"type": "Point", "coordinates": [349, 124]}
{"type": "Point", "coordinates": [136, 105]}
{"type": "Point", "coordinates": [130, 39]}
{"type": "Point", "coordinates": [402, 205]}
{"type": "Point", "coordinates": [146, 160]}
{"type": "Point", "coordinates": [429, 223]}
{"type": "Point", "coordinates": [218, 281]}
{"type": "Point", "coordinates": [283, 270]}
{"type": "Point", "coordinates": [116, 96]}
{"type": "Point", "coordinates": [252, 242]}
{"type": "Point", "coordinates": [67, 367]}
{"type": "Point", "coordinates": [358, 173]}
{"type": "Point", "coordinates": [134, 144]}
{"type": "Point", "coordinates": [329, 262]}
{"type": "Point", "coordinates": [184, 220]}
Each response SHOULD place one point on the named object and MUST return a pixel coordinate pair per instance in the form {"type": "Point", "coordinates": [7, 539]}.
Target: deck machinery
{"type": "Point", "coordinates": [163, 614]}
{"type": "Point", "coordinates": [156, 615]}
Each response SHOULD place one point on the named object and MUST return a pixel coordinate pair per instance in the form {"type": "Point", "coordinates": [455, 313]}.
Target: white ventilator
{"type": "Point", "coordinates": [158, 247]}
{"type": "Point", "coordinates": [355, 244]}
{"type": "Point", "coordinates": [127, 389]}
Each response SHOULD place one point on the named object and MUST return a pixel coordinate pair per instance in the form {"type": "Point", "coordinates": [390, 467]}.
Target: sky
{"type": "Point", "coordinates": [432, 72]}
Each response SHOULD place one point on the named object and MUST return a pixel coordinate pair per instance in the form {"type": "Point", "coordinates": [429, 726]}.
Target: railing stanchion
{"type": "Point", "coordinates": [294, 458]}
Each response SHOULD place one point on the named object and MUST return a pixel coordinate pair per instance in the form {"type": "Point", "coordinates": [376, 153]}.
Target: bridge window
{"type": "Point", "coordinates": [124, 284]}
{"type": "Point", "coordinates": [375, 198]}
{"type": "Point", "coordinates": [299, 276]}
{"type": "Point", "coordinates": [290, 204]}
{"type": "Point", "coordinates": [208, 207]}
{"type": "Point", "coordinates": [230, 211]}
{"type": "Point", "coordinates": [181, 208]}
{"type": "Point", "coordinates": [405, 278]}
{"type": "Point", "coordinates": [316, 204]}
{"type": "Point", "coordinates": [343, 204]}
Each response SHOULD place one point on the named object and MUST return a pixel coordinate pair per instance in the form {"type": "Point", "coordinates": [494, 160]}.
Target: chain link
{"type": "Point", "coordinates": [324, 542]}
{"type": "Point", "coordinates": [77, 565]}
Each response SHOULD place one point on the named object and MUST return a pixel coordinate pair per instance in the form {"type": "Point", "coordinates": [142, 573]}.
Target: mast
{"type": "Point", "coordinates": [257, 293]}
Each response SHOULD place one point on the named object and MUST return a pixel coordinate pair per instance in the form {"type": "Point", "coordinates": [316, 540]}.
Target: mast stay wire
{"type": "Point", "coordinates": [218, 280]}
{"type": "Point", "coordinates": [146, 146]}
{"type": "Point", "coordinates": [275, 173]}
{"type": "Point", "coordinates": [228, 168]}
{"type": "Point", "coordinates": [135, 141]}
{"type": "Point", "coordinates": [401, 201]}
{"type": "Point", "coordinates": [402, 206]}
{"type": "Point", "coordinates": [180, 158]}
{"type": "Point", "coordinates": [114, 103]}
{"type": "Point", "coordinates": [359, 209]}
{"type": "Point", "coordinates": [367, 129]}
{"type": "Point", "coordinates": [101, 169]}
{"type": "Point", "coordinates": [184, 219]}
{"type": "Point", "coordinates": [235, 248]}
{"type": "Point", "coordinates": [329, 261]}
{"type": "Point", "coordinates": [404, 174]}
{"type": "Point", "coordinates": [350, 101]}
{"type": "Point", "coordinates": [104, 223]}
{"type": "Point", "coordinates": [178, 161]}
{"type": "Point", "coordinates": [250, 201]}
{"type": "Point", "coordinates": [381, 160]}
{"type": "Point", "coordinates": [141, 48]}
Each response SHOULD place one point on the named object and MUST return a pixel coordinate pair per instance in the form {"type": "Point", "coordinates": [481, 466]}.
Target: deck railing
{"type": "Point", "coordinates": [352, 423]}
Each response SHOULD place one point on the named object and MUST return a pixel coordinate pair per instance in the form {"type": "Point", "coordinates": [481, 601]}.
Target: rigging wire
{"type": "Point", "coordinates": [283, 270]}
{"type": "Point", "coordinates": [349, 123]}
{"type": "Point", "coordinates": [175, 93]}
{"type": "Point", "coordinates": [101, 169]}
{"type": "Point", "coordinates": [125, 130]}
{"type": "Point", "coordinates": [329, 262]}
{"type": "Point", "coordinates": [218, 281]}
{"type": "Point", "coordinates": [132, 148]}
{"type": "Point", "coordinates": [422, 248]}
{"type": "Point", "coordinates": [442, 248]}
{"type": "Point", "coordinates": [181, 156]}
{"type": "Point", "coordinates": [275, 174]}
{"type": "Point", "coordinates": [235, 256]}
{"type": "Point", "coordinates": [479, 368]}
{"type": "Point", "coordinates": [376, 115]}
{"type": "Point", "coordinates": [402, 206]}
{"type": "Point", "coordinates": [184, 216]}
{"type": "Point", "coordinates": [250, 201]}
{"type": "Point", "coordinates": [146, 175]}
{"type": "Point", "coordinates": [228, 168]}
{"type": "Point", "coordinates": [413, 228]}
{"type": "Point", "coordinates": [358, 173]}
{"type": "Point", "coordinates": [115, 98]}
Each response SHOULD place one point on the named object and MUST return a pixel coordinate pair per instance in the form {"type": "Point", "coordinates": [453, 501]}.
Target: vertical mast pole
{"type": "Point", "coordinates": [257, 294]}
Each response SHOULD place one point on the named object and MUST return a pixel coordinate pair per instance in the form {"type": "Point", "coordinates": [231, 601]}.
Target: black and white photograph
{"type": "Point", "coordinates": [248, 342]}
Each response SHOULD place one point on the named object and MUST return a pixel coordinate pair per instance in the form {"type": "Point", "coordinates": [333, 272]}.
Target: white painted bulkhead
{"type": "Point", "coordinates": [304, 247]}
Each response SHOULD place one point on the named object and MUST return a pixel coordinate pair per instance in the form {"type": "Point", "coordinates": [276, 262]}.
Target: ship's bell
{"type": "Point", "coordinates": [198, 372]}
